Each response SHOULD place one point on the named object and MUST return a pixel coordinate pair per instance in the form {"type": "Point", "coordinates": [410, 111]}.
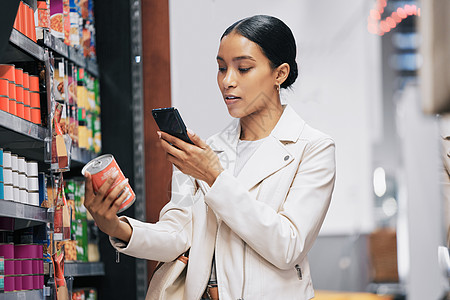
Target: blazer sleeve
{"type": "Point", "coordinates": [171, 236]}
{"type": "Point", "coordinates": [283, 238]}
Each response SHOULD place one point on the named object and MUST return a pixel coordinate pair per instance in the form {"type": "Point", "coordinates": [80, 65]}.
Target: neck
{"type": "Point", "coordinates": [260, 124]}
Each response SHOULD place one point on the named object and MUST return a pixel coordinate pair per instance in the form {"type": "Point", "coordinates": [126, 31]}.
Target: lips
{"type": "Point", "coordinates": [230, 99]}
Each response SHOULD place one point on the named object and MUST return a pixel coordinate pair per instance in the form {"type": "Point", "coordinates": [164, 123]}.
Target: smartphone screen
{"type": "Point", "coordinates": [169, 120]}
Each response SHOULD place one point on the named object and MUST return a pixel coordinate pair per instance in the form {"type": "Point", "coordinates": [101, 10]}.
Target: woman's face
{"type": "Point", "coordinates": [245, 77]}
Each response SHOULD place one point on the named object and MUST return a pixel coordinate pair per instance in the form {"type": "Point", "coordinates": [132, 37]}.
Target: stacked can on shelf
{"type": "Point", "coordinates": [25, 22]}
{"type": "Point", "coordinates": [24, 266]}
{"type": "Point", "coordinates": [19, 179]}
{"type": "Point", "coordinates": [19, 93]}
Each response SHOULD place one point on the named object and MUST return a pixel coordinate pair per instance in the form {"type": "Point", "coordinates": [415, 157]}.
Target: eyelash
{"type": "Point", "coordinates": [242, 70]}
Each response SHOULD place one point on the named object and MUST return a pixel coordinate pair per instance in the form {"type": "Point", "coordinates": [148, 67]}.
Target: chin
{"type": "Point", "coordinates": [235, 113]}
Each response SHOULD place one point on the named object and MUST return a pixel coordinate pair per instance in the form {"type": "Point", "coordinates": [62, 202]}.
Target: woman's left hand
{"type": "Point", "coordinates": [198, 161]}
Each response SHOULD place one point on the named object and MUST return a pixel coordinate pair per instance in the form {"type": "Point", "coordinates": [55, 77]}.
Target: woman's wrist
{"type": "Point", "coordinates": [215, 173]}
{"type": "Point", "coordinates": [123, 231]}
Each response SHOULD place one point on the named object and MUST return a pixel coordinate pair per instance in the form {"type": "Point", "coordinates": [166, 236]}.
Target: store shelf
{"type": "Point", "coordinates": [23, 211]}
{"type": "Point", "coordinates": [22, 137]}
{"type": "Point", "coordinates": [81, 156]}
{"type": "Point", "coordinates": [82, 269]}
{"type": "Point", "coordinates": [23, 295]}
{"type": "Point", "coordinates": [15, 124]}
{"type": "Point", "coordinates": [70, 53]}
{"type": "Point", "coordinates": [27, 45]}
{"type": "Point", "coordinates": [92, 67]}
{"type": "Point", "coordinates": [55, 44]}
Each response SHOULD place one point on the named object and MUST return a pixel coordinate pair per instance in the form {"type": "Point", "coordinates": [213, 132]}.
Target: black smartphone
{"type": "Point", "coordinates": [169, 120]}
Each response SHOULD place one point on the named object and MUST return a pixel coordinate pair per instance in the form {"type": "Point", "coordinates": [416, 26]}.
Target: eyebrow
{"type": "Point", "coordinates": [238, 58]}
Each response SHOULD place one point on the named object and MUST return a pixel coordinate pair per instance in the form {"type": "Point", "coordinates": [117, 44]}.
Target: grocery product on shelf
{"type": "Point", "coordinates": [19, 179]}
{"type": "Point", "coordinates": [15, 97]}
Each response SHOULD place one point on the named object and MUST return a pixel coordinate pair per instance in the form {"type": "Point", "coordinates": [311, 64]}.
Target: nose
{"type": "Point", "coordinates": [229, 80]}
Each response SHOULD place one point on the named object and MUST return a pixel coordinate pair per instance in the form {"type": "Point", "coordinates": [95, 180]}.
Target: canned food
{"type": "Point", "coordinates": [101, 168]}
{"type": "Point", "coordinates": [19, 76]}
{"type": "Point", "coordinates": [7, 159]}
{"type": "Point", "coordinates": [35, 100]}
{"type": "Point", "coordinates": [23, 18]}
{"type": "Point", "coordinates": [4, 103]}
{"type": "Point", "coordinates": [27, 282]}
{"type": "Point", "coordinates": [14, 162]}
{"type": "Point", "coordinates": [9, 283]}
{"type": "Point", "coordinates": [27, 112]}
{"type": "Point", "coordinates": [21, 165]}
{"type": "Point", "coordinates": [33, 184]}
{"type": "Point", "coordinates": [23, 196]}
{"type": "Point", "coordinates": [36, 115]}
{"type": "Point", "coordinates": [7, 71]}
{"type": "Point", "coordinates": [34, 83]}
{"type": "Point", "coordinates": [33, 198]}
{"type": "Point", "coordinates": [20, 110]}
{"type": "Point", "coordinates": [9, 192]}
{"type": "Point", "coordinates": [16, 194]}
{"type": "Point", "coordinates": [7, 176]}
{"type": "Point", "coordinates": [7, 250]}
{"type": "Point", "coordinates": [32, 169]}
{"type": "Point", "coordinates": [18, 286]}
{"type": "Point", "coordinates": [25, 80]}
{"type": "Point", "coordinates": [4, 87]}
{"type": "Point", "coordinates": [15, 176]}
{"type": "Point", "coordinates": [23, 181]}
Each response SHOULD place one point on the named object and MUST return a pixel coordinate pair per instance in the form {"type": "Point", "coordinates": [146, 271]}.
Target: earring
{"type": "Point", "coordinates": [278, 88]}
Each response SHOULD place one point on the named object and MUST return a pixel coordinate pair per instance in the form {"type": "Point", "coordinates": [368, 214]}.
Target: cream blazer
{"type": "Point", "coordinates": [260, 224]}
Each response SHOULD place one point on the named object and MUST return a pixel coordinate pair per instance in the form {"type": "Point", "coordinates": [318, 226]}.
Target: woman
{"type": "Point", "coordinates": [252, 229]}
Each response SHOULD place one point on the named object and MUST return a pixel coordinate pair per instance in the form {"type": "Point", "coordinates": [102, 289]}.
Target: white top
{"type": "Point", "coordinates": [245, 150]}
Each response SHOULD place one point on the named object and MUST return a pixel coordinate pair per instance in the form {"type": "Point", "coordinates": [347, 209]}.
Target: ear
{"type": "Point", "coordinates": [282, 73]}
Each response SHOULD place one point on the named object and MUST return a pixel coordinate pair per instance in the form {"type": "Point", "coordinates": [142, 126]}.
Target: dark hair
{"type": "Point", "coordinates": [274, 38]}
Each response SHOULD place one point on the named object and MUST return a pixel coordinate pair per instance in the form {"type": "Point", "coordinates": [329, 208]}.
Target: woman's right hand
{"type": "Point", "coordinates": [104, 206]}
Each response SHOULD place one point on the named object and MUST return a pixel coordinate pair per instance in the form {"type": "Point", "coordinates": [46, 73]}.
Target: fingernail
{"type": "Point", "coordinates": [190, 131]}
{"type": "Point", "coordinates": [159, 134]}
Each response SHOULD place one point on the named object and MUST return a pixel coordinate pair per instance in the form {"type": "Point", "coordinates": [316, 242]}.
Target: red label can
{"type": "Point", "coordinates": [4, 87]}
{"type": "Point", "coordinates": [4, 103]}
{"type": "Point", "coordinates": [103, 167]}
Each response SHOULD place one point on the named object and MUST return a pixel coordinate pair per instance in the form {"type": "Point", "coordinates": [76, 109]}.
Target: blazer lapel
{"type": "Point", "coordinates": [270, 157]}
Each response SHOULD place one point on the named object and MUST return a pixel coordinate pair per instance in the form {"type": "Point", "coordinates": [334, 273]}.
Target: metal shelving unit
{"type": "Point", "coordinates": [23, 295]}
{"type": "Point", "coordinates": [29, 140]}
{"type": "Point", "coordinates": [70, 53]}
{"type": "Point", "coordinates": [82, 269]}
{"type": "Point", "coordinates": [26, 45]}
{"type": "Point", "coordinates": [23, 211]}
{"type": "Point", "coordinates": [25, 138]}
